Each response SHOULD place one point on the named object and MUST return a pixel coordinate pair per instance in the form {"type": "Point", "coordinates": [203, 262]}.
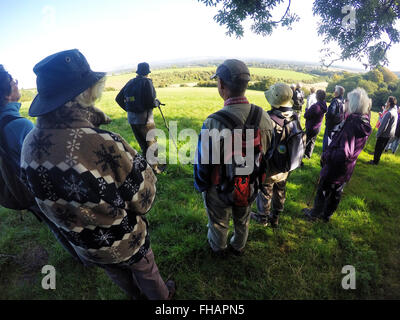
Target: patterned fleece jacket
{"type": "Point", "coordinates": [91, 183]}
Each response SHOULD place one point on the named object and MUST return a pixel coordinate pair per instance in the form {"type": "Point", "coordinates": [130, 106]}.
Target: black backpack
{"type": "Point", "coordinates": [288, 153]}
{"type": "Point", "coordinates": [336, 117]}
{"type": "Point", "coordinates": [13, 193]}
{"type": "Point", "coordinates": [134, 95]}
{"type": "Point", "coordinates": [240, 190]}
{"type": "Point", "coordinates": [298, 99]}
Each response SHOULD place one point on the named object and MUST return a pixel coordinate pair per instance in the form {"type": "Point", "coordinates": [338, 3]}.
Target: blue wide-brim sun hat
{"type": "Point", "coordinates": [60, 78]}
{"type": "Point", "coordinates": [143, 69]}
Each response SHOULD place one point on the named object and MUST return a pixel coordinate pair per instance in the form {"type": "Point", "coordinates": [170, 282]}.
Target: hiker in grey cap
{"type": "Point", "coordinates": [233, 77]}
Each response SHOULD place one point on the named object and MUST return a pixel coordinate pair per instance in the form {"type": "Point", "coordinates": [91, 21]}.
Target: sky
{"type": "Point", "coordinates": [116, 33]}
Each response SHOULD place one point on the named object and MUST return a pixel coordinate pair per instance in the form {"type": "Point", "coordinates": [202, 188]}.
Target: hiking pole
{"type": "Point", "coordinates": [165, 122]}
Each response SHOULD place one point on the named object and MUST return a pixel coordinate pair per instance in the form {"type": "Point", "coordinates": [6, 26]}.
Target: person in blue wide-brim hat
{"type": "Point", "coordinates": [88, 181]}
{"type": "Point", "coordinates": [60, 78]}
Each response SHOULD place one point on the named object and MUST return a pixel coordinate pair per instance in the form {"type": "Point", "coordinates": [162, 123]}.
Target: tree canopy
{"type": "Point", "coordinates": [380, 83]}
{"type": "Point", "coordinates": [367, 37]}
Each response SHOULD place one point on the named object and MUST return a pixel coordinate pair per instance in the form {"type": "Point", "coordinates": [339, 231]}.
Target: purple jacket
{"type": "Point", "coordinates": [339, 159]}
{"type": "Point", "coordinates": [314, 116]}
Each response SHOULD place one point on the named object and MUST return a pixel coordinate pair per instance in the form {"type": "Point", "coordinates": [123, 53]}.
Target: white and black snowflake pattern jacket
{"type": "Point", "coordinates": [91, 183]}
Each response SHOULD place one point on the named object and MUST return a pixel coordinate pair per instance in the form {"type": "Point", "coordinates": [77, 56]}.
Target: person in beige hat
{"type": "Point", "coordinates": [270, 201]}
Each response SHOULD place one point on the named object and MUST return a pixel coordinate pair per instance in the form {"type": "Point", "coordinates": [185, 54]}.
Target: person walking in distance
{"type": "Point", "coordinates": [138, 98]}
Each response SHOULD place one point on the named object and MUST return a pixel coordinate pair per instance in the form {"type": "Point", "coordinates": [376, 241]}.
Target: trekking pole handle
{"type": "Point", "coordinates": [158, 103]}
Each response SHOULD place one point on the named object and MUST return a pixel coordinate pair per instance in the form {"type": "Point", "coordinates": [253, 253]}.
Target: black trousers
{"type": "Point", "coordinates": [379, 147]}
{"type": "Point", "coordinates": [273, 198]}
{"type": "Point", "coordinates": [327, 199]}
{"type": "Point", "coordinates": [310, 144]}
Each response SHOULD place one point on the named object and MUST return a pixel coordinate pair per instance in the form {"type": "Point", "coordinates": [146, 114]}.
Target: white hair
{"type": "Point", "coordinates": [88, 97]}
{"type": "Point", "coordinates": [359, 102]}
{"type": "Point", "coordinates": [340, 90]}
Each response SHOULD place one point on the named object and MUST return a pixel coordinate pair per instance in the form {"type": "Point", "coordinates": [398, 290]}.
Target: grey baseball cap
{"type": "Point", "coordinates": [232, 70]}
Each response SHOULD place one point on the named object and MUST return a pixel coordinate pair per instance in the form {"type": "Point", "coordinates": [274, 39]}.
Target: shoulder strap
{"type": "Point", "coordinates": [231, 121]}
{"type": "Point", "coordinates": [3, 122]}
{"type": "Point", "coordinates": [228, 119]}
{"type": "Point", "coordinates": [254, 117]}
{"type": "Point", "coordinates": [278, 120]}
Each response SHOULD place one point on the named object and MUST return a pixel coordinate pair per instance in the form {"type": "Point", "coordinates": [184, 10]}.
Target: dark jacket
{"type": "Point", "coordinates": [298, 100]}
{"type": "Point", "coordinates": [340, 157]}
{"type": "Point", "coordinates": [397, 133]}
{"type": "Point", "coordinates": [142, 89]}
{"type": "Point", "coordinates": [335, 114]}
{"type": "Point", "coordinates": [314, 116]}
{"type": "Point", "coordinates": [387, 129]}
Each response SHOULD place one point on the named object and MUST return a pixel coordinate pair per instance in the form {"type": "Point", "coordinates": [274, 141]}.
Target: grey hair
{"type": "Point", "coordinates": [359, 102]}
{"type": "Point", "coordinates": [88, 97]}
{"type": "Point", "coordinates": [340, 90]}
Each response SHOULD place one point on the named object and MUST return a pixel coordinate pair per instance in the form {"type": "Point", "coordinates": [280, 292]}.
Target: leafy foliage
{"type": "Point", "coordinates": [374, 33]}
{"type": "Point", "coordinates": [379, 83]}
{"type": "Point", "coordinates": [234, 12]}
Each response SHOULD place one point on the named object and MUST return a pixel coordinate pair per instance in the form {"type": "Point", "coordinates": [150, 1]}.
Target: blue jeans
{"type": "Point", "coordinates": [394, 145]}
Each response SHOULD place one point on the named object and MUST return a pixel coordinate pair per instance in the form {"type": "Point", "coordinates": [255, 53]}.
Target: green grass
{"type": "Point", "coordinates": [118, 81]}
{"type": "Point", "coordinates": [299, 260]}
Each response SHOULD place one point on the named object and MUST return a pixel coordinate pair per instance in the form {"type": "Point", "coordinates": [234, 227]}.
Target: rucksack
{"type": "Point", "coordinates": [134, 95]}
{"type": "Point", "coordinates": [287, 153]}
{"type": "Point", "coordinates": [240, 190]}
{"type": "Point", "coordinates": [336, 117]}
{"type": "Point", "coordinates": [13, 193]}
{"type": "Point", "coordinates": [298, 98]}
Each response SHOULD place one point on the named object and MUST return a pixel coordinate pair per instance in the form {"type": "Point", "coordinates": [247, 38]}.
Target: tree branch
{"type": "Point", "coordinates": [283, 17]}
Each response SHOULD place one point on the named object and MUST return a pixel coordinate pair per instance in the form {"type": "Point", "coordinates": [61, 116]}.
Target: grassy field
{"type": "Point", "coordinates": [299, 260]}
{"type": "Point", "coordinates": [118, 81]}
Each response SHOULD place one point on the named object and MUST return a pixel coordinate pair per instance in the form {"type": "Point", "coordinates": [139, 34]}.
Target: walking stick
{"type": "Point", "coordinates": [165, 122]}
